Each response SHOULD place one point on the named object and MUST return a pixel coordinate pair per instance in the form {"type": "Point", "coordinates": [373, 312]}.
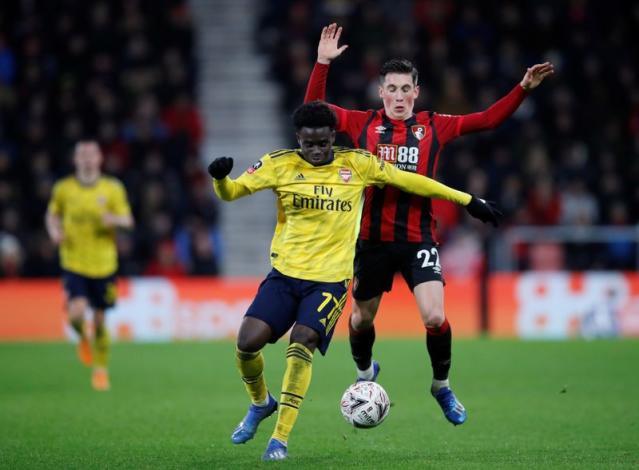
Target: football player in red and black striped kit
{"type": "Point", "coordinates": [397, 228]}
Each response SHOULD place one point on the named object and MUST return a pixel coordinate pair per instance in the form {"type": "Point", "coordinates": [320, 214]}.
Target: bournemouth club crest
{"type": "Point", "coordinates": [345, 174]}
{"type": "Point", "coordinates": [419, 131]}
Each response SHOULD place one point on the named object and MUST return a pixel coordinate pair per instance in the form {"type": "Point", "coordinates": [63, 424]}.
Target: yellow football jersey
{"type": "Point", "coordinates": [88, 247]}
{"type": "Point", "coordinates": [319, 207]}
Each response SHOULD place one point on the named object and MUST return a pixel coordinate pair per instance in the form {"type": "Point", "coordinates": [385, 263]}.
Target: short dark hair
{"type": "Point", "coordinates": [314, 114]}
{"type": "Point", "coordinates": [398, 66]}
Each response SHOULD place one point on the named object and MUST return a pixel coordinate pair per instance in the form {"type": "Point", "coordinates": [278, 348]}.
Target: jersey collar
{"type": "Point", "coordinates": [327, 162]}
{"type": "Point", "coordinates": [398, 122]}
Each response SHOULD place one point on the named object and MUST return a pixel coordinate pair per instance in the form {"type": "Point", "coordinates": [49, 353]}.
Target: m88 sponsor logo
{"type": "Point", "coordinates": [403, 157]}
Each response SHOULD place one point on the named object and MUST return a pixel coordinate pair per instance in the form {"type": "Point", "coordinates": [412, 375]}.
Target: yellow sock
{"type": "Point", "coordinates": [251, 367]}
{"type": "Point", "coordinates": [101, 347]}
{"type": "Point", "coordinates": [297, 378]}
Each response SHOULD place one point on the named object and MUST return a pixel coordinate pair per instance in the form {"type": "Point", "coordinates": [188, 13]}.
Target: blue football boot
{"type": "Point", "coordinates": [248, 427]}
{"type": "Point", "coordinates": [276, 450]}
{"type": "Point", "coordinates": [376, 369]}
{"type": "Point", "coordinates": [452, 408]}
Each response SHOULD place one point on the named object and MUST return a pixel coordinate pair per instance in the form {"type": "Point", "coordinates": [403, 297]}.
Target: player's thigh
{"type": "Point", "coordinates": [420, 263]}
{"type": "Point", "coordinates": [102, 292]}
{"type": "Point", "coordinates": [321, 307]}
{"type": "Point", "coordinates": [276, 303]}
{"type": "Point", "coordinates": [364, 311]}
{"type": "Point", "coordinates": [305, 336]}
{"type": "Point", "coordinates": [253, 334]}
{"type": "Point", "coordinates": [76, 290]}
{"type": "Point", "coordinates": [422, 271]}
{"type": "Point", "coordinates": [374, 269]}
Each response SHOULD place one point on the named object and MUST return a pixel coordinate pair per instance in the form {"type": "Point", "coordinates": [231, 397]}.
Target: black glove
{"type": "Point", "coordinates": [484, 210]}
{"type": "Point", "coordinates": [220, 167]}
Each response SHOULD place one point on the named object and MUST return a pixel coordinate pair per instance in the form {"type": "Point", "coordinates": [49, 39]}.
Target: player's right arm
{"type": "Point", "coordinates": [348, 121]}
{"type": "Point", "coordinates": [259, 176]}
{"type": "Point", "coordinates": [327, 50]}
{"type": "Point", "coordinates": [381, 173]}
{"type": "Point", "coordinates": [53, 219]}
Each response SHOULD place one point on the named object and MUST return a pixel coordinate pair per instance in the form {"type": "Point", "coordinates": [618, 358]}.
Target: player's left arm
{"type": "Point", "coordinates": [118, 213]}
{"type": "Point", "coordinates": [259, 176]}
{"type": "Point", "coordinates": [506, 106]}
{"type": "Point", "coordinates": [53, 217]}
{"type": "Point", "coordinates": [381, 172]}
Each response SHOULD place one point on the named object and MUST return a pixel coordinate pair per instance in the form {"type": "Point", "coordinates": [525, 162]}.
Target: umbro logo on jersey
{"type": "Point", "coordinates": [299, 177]}
{"type": "Point", "coordinates": [380, 130]}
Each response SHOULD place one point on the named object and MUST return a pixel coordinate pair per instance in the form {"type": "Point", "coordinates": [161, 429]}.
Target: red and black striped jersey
{"type": "Point", "coordinates": [412, 145]}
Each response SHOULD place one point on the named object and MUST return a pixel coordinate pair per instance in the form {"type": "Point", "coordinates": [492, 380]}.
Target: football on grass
{"type": "Point", "coordinates": [365, 404]}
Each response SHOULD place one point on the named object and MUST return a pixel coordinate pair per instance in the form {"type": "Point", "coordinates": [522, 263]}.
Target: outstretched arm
{"type": "Point", "coordinates": [424, 186]}
{"type": "Point", "coordinates": [327, 50]}
{"type": "Point", "coordinates": [261, 175]}
{"type": "Point", "coordinates": [505, 107]}
{"type": "Point", "coordinates": [225, 188]}
{"type": "Point", "coordinates": [535, 75]}
{"type": "Point", "coordinates": [427, 187]}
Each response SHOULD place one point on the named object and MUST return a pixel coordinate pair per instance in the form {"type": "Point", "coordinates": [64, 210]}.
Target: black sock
{"type": "Point", "coordinates": [438, 343]}
{"type": "Point", "coordinates": [361, 345]}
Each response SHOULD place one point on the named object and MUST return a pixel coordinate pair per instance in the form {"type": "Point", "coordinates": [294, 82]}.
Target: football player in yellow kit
{"type": "Point", "coordinates": [84, 212]}
{"type": "Point", "coordinates": [319, 190]}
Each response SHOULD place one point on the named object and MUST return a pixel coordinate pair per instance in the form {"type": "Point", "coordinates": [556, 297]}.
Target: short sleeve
{"type": "Point", "coordinates": [56, 201]}
{"type": "Point", "coordinates": [119, 202]}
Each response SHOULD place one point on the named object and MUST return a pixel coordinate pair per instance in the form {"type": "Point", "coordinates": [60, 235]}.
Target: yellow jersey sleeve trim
{"type": "Point", "coordinates": [416, 184]}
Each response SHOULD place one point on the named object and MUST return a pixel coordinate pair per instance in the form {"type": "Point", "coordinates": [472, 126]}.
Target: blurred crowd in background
{"type": "Point", "coordinates": [122, 72]}
{"type": "Point", "coordinates": [569, 156]}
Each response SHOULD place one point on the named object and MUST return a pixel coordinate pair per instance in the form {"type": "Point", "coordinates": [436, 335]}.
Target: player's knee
{"type": "Point", "coordinates": [359, 321]}
{"type": "Point", "coordinates": [98, 319]}
{"type": "Point", "coordinates": [248, 344]}
{"type": "Point", "coordinates": [250, 341]}
{"type": "Point", "coordinates": [362, 316]}
{"type": "Point", "coordinates": [306, 337]}
{"type": "Point", "coordinates": [76, 308]}
{"type": "Point", "coordinates": [433, 318]}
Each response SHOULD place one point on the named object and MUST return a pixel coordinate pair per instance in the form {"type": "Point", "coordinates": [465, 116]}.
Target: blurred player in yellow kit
{"type": "Point", "coordinates": [84, 212]}
{"type": "Point", "coordinates": [319, 190]}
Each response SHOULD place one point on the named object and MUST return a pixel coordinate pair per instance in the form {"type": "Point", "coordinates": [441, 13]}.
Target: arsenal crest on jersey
{"type": "Point", "coordinates": [345, 174]}
{"type": "Point", "coordinates": [419, 131]}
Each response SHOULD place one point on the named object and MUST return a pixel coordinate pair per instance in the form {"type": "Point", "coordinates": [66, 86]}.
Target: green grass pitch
{"type": "Point", "coordinates": [531, 405]}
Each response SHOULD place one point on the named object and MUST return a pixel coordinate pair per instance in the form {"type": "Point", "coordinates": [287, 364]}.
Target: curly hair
{"type": "Point", "coordinates": [314, 114]}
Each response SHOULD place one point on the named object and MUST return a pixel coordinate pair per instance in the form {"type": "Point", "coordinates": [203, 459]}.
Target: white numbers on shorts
{"type": "Point", "coordinates": [427, 255]}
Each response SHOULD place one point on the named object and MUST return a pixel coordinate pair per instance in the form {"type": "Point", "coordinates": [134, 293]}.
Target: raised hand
{"type": "Point", "coordinates": [536, 74]}
{"type": "Point", "coordinates": [484, 210]}
{"type": "Point", "coordinates": [220, 167]}
{"type": "Point", "coordinates": [328, 48]}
